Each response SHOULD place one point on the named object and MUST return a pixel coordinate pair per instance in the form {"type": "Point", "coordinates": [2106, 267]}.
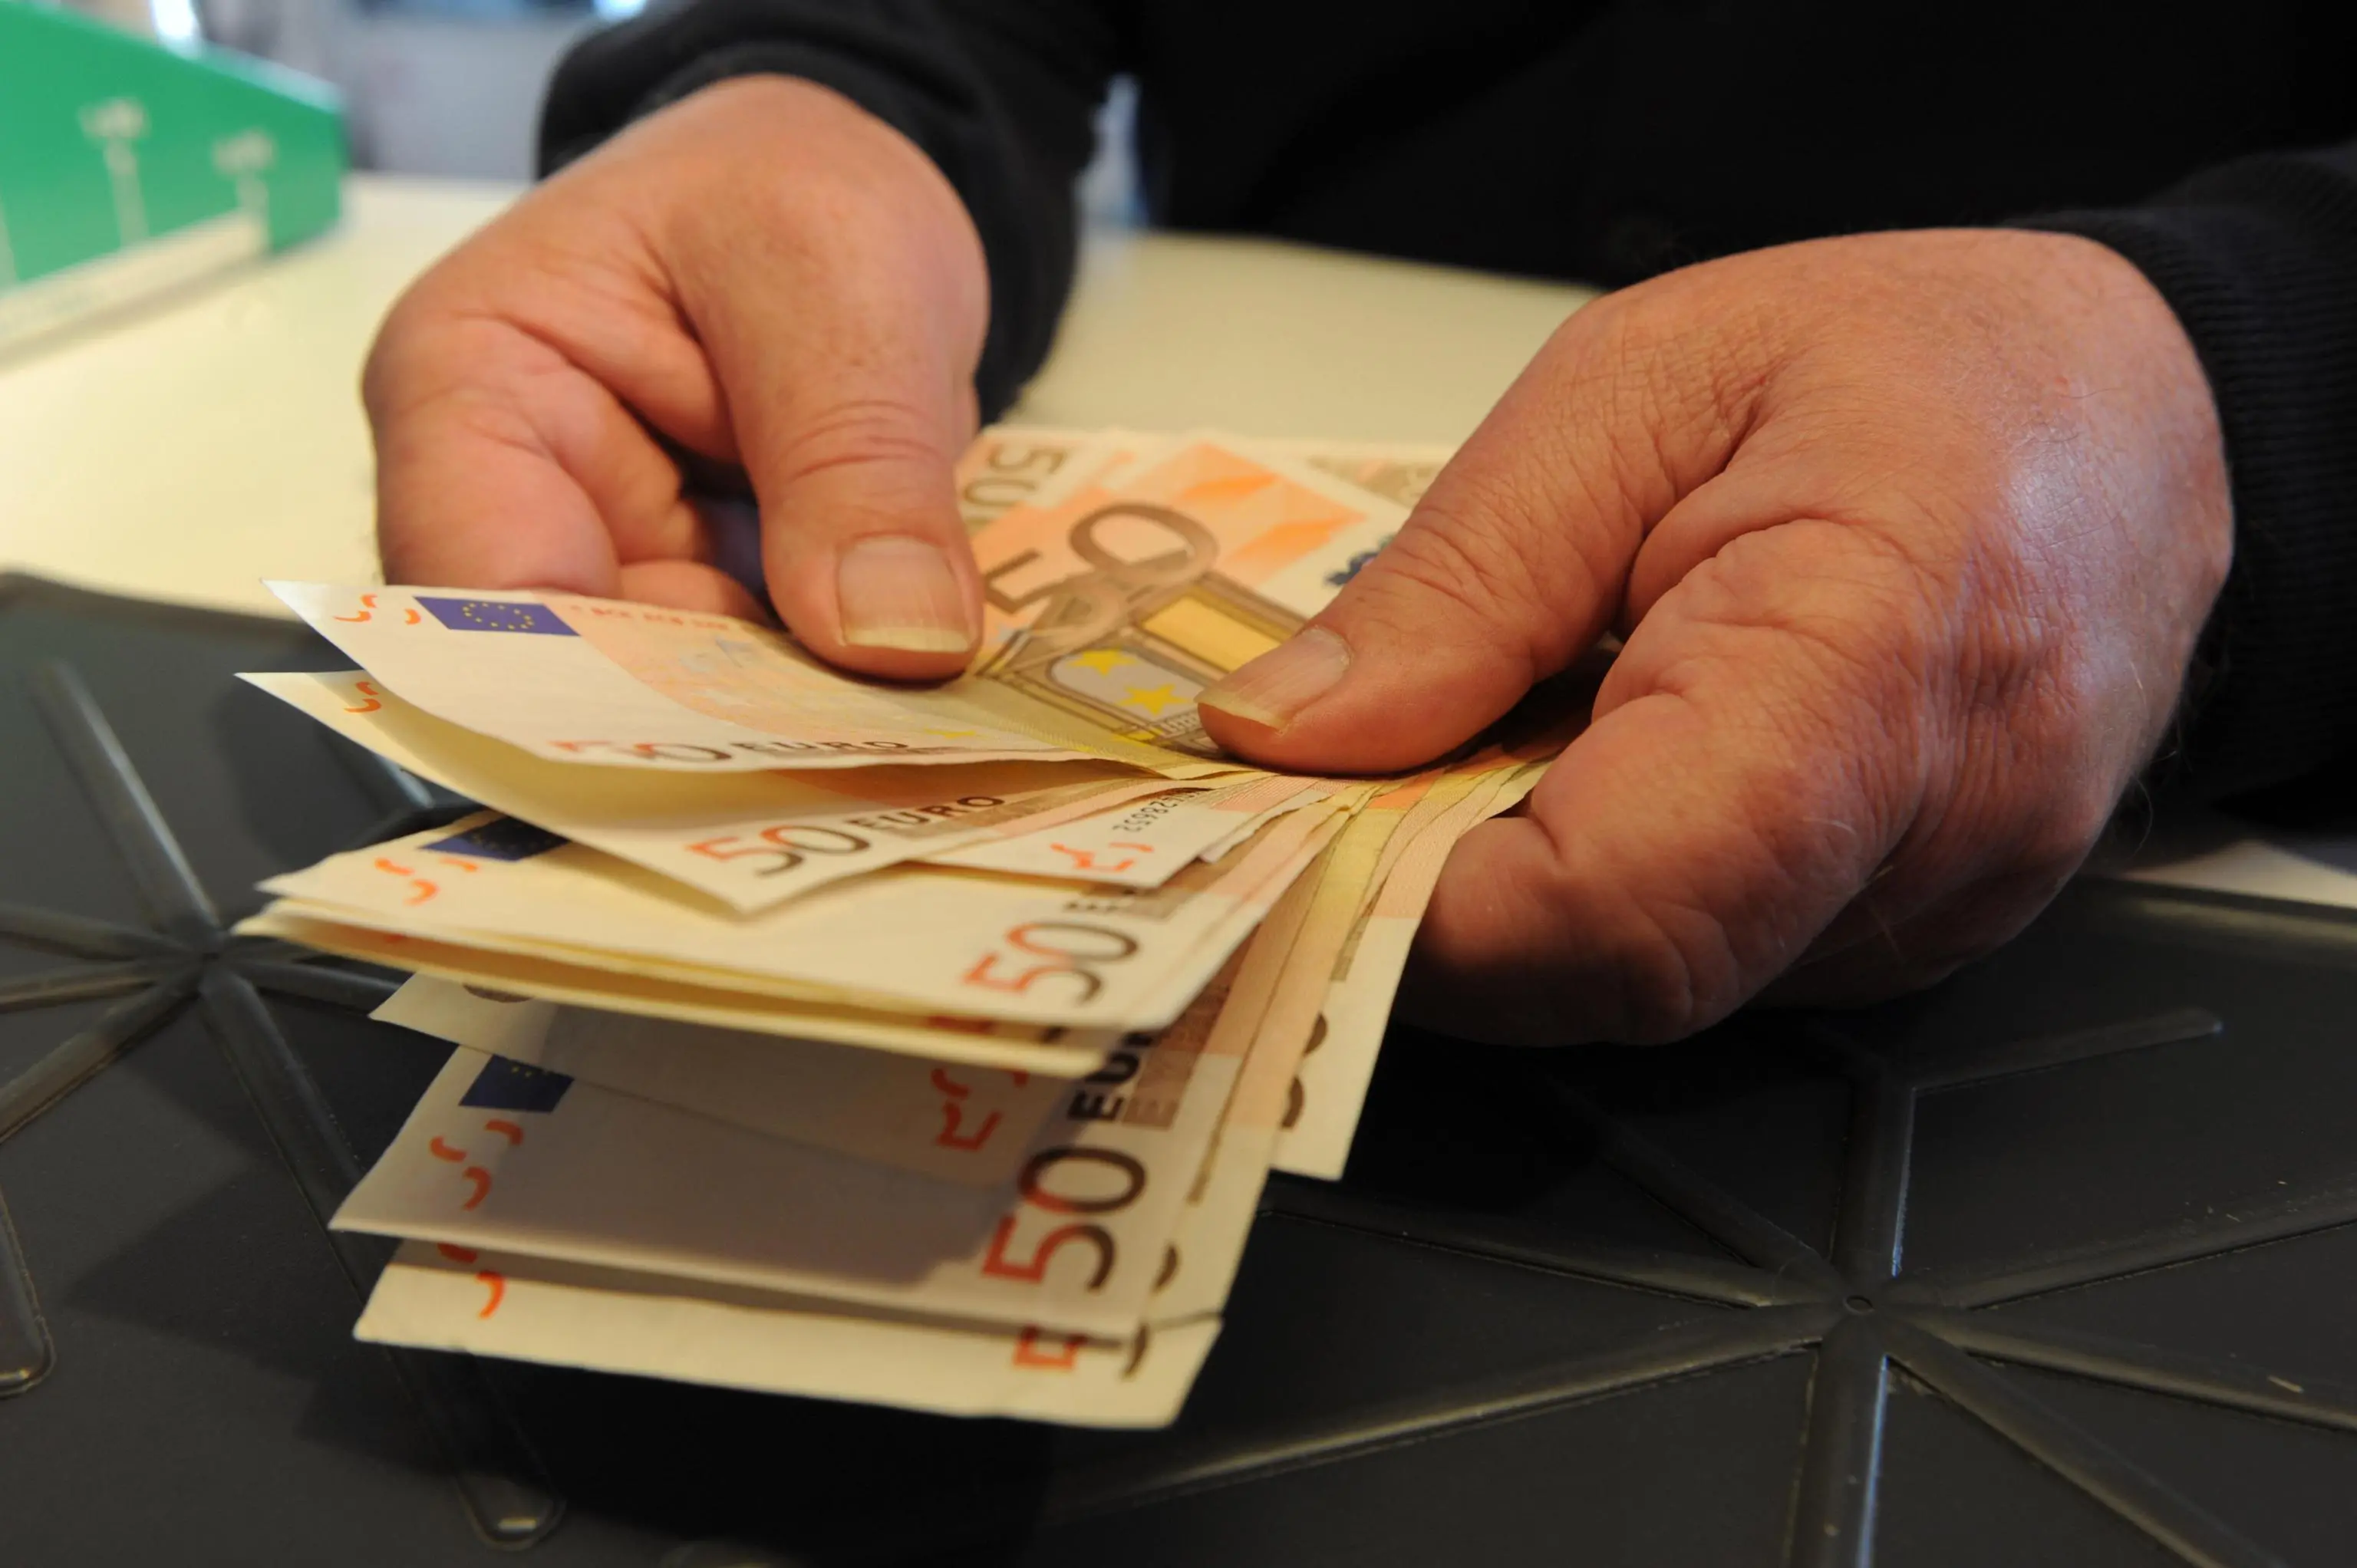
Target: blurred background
{"type": "Point", "coordinates": [452, 88]}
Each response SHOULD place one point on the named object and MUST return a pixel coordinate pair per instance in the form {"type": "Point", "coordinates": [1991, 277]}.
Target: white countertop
{"type": "Point", "coordinates": [192, 449]}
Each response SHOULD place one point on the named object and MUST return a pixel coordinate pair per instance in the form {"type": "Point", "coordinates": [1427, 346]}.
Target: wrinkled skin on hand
{"type": "Point", "coordinates": [1911, 537]}
{"type": "Point", "coordinates": [762, 273]}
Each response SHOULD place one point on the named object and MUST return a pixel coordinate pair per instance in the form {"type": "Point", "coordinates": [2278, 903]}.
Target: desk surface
{"type": "Point", "coordinates": [2050, 1265]}
{"type": "Point", "coordinates": [188, 450]}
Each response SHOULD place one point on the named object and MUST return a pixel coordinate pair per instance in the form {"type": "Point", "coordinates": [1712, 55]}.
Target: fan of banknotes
{"type": "Point", "coordinates": [923, 1046]}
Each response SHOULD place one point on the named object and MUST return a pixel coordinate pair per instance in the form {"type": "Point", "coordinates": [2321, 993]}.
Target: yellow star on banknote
{"type": "Point", "coordinates": [1103, 660]}
{"type": "Point", "coordinates": [1152, 699]}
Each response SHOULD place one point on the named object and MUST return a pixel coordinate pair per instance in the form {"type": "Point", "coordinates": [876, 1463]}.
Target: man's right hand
{"type": "Point", "coordinates": [763, 274]}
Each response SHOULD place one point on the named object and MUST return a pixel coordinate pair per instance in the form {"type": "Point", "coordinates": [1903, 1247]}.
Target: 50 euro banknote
{"type": "Point", "coordinates": [750, 839]}
{"type": "Point", "coordinates": [443, 1297]}
{"type": "Point", "coordinates": [920, 940]}
{"type": "Point", "coordinates": [1141, 842]}
{"type": "Point", "coordinates": [611, 684]}
{"type": "Point", "coordinates": [940, 1037]}
{"type": "Point", "coordinates": [1008, 465]}
{"type": "Point", "coordinates": [453, 1296]}
{"type": "Point", "coordinates": [1108, 610]}
{"type": "Point", "coordinates": [937, 1118]}
{"type": "Point", "coordinates": [1345, 973]}
{"type": "Point", "coordinates": [502, 1155]}
{"type": "Point", "coordinates": [1119, 594]}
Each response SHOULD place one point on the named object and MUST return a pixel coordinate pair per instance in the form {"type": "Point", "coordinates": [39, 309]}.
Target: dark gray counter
{"type": "Point", "coordinates": [2055, 1264]}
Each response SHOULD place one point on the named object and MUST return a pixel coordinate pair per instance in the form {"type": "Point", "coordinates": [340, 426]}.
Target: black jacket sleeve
{"type": "Point", "coordinates": [1002, 96]}
{"type": "Point", "coordinates": [2259, 258]}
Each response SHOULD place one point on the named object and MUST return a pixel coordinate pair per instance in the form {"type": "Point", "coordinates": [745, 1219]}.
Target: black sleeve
{"type": "Point", "coordinates": [1001, 93]}
{"type": "Point", "coordinates": [2259, 258]}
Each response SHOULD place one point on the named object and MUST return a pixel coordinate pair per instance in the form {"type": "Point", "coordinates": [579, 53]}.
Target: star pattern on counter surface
{"type": "Point", "coordinates": [185, 959]}
{"type": "Point", "coordinates": [1855, 1307]}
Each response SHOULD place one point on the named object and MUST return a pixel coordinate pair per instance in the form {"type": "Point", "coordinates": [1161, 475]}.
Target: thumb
{"type": "Point", "coordinates": [1508, 569]}
{"type": "Point", "coordinates": [843, 311]}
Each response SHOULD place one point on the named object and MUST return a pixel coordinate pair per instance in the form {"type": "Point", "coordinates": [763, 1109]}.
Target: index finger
{"type": "Point", "coordinates": [1742, 782]}
{"type": "Point", "coordinates": [501, 463]}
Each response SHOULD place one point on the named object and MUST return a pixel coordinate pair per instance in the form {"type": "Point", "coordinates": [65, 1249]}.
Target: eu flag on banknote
{"type": "Point", "coordinates": [502, 838]}
{"type": "Point", "coordinates": [490, 615]}
{"type": "Point", "coordinates": [506, 1085]}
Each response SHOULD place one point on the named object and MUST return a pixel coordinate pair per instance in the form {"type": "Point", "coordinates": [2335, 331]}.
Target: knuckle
{"type": "Point", "coordinates": [880, 434]}
{"type": "Point", "coordinates": [1678, 354]}
{"type": "Point", "coordinates": [2062, 823]}
{"type": "Point", "coordinates": [1675, 944]}
{"type": "Point", "coordinates": [1461, 581]}
{"type": "Point", "coordinates": [403, 346]}
{"type": "Point", "coordinates": [1860, 978]}
{"type": "Point", "coordinates": [2043, 743]}
{"type": "Point", "coordinates": [1673, 972]}
{"type": "Point", "coordinates": [1520, 550]}
{"type": "Point", "coordinates": [1651, 974]}
{"type": "Point", "coordinates": [1835, 653]}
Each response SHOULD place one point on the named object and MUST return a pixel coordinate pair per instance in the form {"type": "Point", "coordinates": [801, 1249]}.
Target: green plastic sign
{"type": "Point", "coordinates": [127, 168]}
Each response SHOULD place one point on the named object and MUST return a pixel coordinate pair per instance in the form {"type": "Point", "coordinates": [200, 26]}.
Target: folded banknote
{"type": "Point", "coordinates": [926, 1046]}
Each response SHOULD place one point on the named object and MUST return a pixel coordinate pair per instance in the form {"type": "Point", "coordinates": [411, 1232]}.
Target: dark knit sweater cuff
{"type": "Point", "coordinates": [2259, 261]}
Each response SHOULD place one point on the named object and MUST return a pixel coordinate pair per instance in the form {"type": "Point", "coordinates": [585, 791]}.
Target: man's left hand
{"type": "Point", "coordinates": [1909, 536]}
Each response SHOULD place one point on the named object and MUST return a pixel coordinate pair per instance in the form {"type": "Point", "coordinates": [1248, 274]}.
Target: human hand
{"type": "Point", "coordinates": [1911, 537]}
{"type": "Point", "coordinates": [762, 273]}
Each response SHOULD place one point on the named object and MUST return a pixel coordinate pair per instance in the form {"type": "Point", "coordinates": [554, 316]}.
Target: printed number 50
{"type": "Point", "coordinates": [1033, 1184]}
{"type": "Point", "coordinates": [784, 846]}
{"type": "Point", "coordinates": [1069, 948]}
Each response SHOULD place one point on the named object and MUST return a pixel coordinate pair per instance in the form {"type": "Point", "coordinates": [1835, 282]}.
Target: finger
{"type": "Point", "coordinates": [846, 342]}
{"type": "Point", "coordinates": [690, 586]}
{"type": "Point", "coordinates": [1897, 960]}
{"type": "Point", "coordinates": [1509, 567]}
{"type": "Point", "coordinates": [502, 464]}
{"type": "Point", "coordinates": [1756, 755]}
{"type": "Point", "coordinates": [1867, 955]}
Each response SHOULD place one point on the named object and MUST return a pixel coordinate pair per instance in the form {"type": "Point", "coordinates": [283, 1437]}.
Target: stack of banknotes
{"type": "Point", "coordinates": [928, 1046]}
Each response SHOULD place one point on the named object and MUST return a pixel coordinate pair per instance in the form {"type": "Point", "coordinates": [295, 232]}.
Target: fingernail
{"type": "Point", "coordinates": [899, 592]}
{"type": "Point", "coordinates": [1273, 689]}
